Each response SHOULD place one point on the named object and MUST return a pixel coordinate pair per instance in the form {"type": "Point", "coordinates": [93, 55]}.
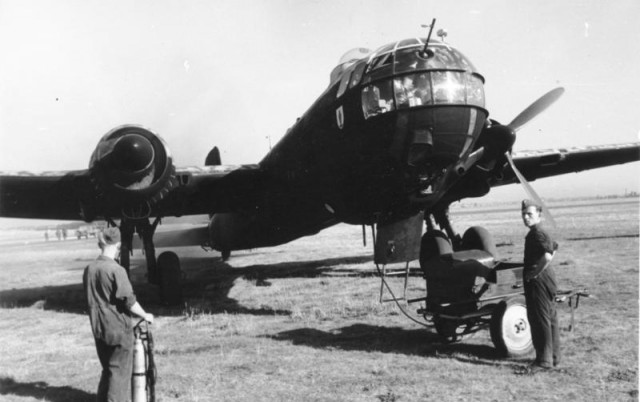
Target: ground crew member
{"type": "Point", "coordinates": [111, 301]}
{"type": "Point", "coordinates": [540, 288]}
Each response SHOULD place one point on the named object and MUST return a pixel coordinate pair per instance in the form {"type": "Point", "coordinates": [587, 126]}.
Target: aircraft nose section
{"type": "Point", "coordinates": [133, 153]}
{"type": "Point", "coordinates": [421, 148]}
{"type": "Point", "coordinates": [436, 137]}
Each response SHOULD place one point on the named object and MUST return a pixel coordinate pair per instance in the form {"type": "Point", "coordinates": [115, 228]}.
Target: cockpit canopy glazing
{"type": "Point", "coordinates": [407, 56]}
{"type": "Point", "coordinates": [422, 89]}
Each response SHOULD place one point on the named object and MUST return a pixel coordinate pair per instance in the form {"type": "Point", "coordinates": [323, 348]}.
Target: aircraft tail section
{"type": "Point", "coordinates": [213, 158]}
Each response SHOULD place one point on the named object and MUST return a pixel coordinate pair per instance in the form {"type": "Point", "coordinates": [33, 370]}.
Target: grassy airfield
{"type": "Point", "coordinates": [302, 322]}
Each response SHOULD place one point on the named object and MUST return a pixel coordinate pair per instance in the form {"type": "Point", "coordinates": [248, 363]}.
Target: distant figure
{"type": "Point", "coordinates": [111, 301]}
{"type": "Point", "coordinates": [64, 234]}
{"type": "Point", "coordinates": [540, 288]}
{"type": "Point", "coordinates": [46, 235]}
{"type": "Point", "coordinates": [58, 234]}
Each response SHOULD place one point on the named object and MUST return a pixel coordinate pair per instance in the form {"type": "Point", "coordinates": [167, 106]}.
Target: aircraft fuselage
{"type": "Point", "coordinates": [383, 140]}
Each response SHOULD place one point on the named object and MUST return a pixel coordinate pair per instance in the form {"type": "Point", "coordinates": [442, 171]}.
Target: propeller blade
{"type": "Point", "coordinates": [531, 192]}
{"type": "Point", "coordinates": [536, 108]}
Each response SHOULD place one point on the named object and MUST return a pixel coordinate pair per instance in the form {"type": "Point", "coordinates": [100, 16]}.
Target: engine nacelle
{"type": "Point", "coordinates": [132, 166]}
{"type": "Point", "coordinates": [496, 139]}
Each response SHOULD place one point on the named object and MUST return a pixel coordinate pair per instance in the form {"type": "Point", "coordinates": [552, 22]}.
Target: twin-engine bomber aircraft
{"type": "Point", "coordinates": [399, 134]}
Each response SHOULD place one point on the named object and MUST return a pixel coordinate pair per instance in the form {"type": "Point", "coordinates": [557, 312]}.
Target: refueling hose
{"type": "Point", "coordinates": [396, 300]}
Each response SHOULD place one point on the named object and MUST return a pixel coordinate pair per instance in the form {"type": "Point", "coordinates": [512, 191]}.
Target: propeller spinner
{"type": "Point", "coordinates": [132, 165]}
{"type": "Point", "coordinates": [133, 153]}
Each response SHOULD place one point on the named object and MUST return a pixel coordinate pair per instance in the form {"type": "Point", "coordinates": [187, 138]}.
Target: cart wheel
{"type": "Point", "coordinates": [510, 330]}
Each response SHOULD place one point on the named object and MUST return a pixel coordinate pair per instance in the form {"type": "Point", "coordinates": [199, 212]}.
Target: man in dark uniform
{"type": "Point", "coordinates": [111, 301]}
{"type": "Point", "coordinates": [540, 288]}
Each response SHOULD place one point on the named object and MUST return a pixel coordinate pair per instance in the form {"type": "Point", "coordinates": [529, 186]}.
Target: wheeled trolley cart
{"type": "Point", "coordinates": [468, 290]}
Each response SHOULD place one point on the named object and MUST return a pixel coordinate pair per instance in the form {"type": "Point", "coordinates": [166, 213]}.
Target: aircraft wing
{"type": "Point", "coordinates": [73, 195]}
{"type": "Point", "coordinates": [46, 195]}
{"type": "Point", "coordinates": [538, 164]}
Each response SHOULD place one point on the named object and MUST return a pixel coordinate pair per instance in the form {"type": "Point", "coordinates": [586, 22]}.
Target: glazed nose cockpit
{"type": "Point", "coordinates": [422, 89]}
{"type": "Point", "coordinates": [434, 94]}
{"type": "Point", "coordinates": [437, 95]}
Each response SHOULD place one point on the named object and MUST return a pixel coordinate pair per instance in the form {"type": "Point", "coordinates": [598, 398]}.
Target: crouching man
{"type": "Point", "coordinates": [111, 303]}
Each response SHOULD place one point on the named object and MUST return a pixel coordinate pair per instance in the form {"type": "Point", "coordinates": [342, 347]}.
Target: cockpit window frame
{"type": "Point", "coordinates": [380, 61]}
{"type": "Point", "coordinates": [464, 89]}
{"type": "Point", "coordinates": [396, 58]}
{"type": "Point", "coordinates": [378, 98]}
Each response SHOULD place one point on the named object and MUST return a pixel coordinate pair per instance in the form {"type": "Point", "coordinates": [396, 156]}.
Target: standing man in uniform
{"type": "Point", "coordinates": [540, 288]}
{"type": "Point", "coordinates": [111, 302]}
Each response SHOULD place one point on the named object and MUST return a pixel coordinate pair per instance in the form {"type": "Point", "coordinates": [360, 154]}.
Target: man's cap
{"type": "Point", "coordinates": [109, 236]}
{"type": "Point", "coordinates": [528, 203]}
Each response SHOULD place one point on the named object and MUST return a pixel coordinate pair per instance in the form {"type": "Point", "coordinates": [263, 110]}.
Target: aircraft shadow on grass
{"type": "Point", "coordinates": [42, 391]}
{"type": "Point", "coordinates": [372, 338]}
{"type": "Point", "coordinates": [206, 283]}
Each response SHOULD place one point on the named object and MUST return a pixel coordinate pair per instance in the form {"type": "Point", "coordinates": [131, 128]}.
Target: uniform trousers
{"type": "Point", "coordinates": [117, 363]}
{"type": "Point", "coordinates": [540, 296]}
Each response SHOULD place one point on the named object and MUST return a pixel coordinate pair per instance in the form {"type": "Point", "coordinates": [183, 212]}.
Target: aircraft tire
{"type": "Point", "coordinates": [434, 243]}
{"type": "Point", "coordinates": [479, 238]}
{"type": "Point", "coordinates": [170, 278]}
{"type": "Point", "coordinates": [510, 330]}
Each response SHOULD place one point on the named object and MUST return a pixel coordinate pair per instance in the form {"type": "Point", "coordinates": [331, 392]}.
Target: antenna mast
{"type": "Point", "coordinates": [433, 24]}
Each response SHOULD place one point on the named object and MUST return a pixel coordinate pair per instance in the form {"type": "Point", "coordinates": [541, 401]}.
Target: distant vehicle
{"type": "Point", "coordinates": [86, 231]}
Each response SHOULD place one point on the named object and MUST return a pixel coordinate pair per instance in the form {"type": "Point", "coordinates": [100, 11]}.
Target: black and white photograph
{"type": "Point", "coordinates": [319, 200]}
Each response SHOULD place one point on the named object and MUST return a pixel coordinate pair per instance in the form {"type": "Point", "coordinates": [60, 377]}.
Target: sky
{"type": "Point", "coordinates": [236, 74]}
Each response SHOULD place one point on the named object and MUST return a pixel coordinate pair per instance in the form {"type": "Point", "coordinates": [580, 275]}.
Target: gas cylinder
{"type": "Point", "coordinates": [139, 376]}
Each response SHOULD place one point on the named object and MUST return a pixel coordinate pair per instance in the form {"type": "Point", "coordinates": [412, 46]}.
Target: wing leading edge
{"type": "Point", "coordinates": [72, 195]}
{"type": "Point", "coordinates": [546, 163]}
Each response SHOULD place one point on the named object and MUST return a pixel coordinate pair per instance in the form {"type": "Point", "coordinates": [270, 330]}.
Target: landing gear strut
{"type": "Point", "coordinates": [163, 271]}
{"type": "Point", "coordinates": [442, 219]}
{"type": "Point", "coordinates": [146, 230]}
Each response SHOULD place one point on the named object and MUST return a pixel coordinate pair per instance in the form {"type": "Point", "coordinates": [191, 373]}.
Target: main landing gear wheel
{"type": "Point", "coordinates": [434, 243]}
{"type": "Point", "coordinates": [510, 330]}
{"type": "Point", "coordinates": [170, 278]}
{"type": "Point", "coordinates": [479, 238]}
